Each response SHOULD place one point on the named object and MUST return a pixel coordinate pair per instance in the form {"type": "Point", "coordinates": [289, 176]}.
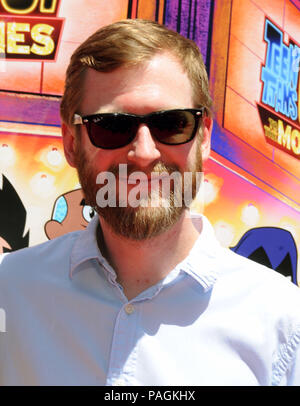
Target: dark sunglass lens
{"type": "Point", "coordinates": [173, 127]}
{"type": "Point", "coordinates": [112, 131]}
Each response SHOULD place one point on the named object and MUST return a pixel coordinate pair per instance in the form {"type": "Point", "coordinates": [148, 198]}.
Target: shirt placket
{"type": "Point", "coordinates": [123, 355]}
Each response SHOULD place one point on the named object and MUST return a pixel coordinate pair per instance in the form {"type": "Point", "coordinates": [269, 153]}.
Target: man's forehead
{"type": "Point", "coordinates": [162, 77]}
{"type": "Point", "coordinates": [158, 62]}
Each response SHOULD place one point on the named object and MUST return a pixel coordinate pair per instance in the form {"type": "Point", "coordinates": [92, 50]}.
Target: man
{"type": "Point", "coordinates": [144, 295]}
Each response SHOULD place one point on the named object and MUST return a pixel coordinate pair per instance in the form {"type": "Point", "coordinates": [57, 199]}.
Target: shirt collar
{"type": "Point", "coordinates": [202, 263]}
{"type": "Point", "coordinates": [86, 248]}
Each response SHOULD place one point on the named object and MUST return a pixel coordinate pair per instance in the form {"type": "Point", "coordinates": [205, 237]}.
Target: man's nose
{"type": "Point", "coordinates": [143, 150]}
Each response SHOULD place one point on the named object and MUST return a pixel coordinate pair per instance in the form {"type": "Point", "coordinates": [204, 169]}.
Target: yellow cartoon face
{"type": "Point", "coordinates": [70, 213]}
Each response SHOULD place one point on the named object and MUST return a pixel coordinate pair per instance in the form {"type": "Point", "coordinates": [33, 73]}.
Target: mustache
{"type": "Point", "coordinates": [157, 168]}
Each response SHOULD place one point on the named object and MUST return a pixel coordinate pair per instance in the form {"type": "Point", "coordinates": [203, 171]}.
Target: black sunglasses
{"type": "Point", "coordinates": [115, 130]}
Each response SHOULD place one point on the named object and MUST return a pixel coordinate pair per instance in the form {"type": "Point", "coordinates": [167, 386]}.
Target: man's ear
{"type": "Point", "coordinates": [69, 142]}
{"type": "Point", "coordinates": [206, 137]}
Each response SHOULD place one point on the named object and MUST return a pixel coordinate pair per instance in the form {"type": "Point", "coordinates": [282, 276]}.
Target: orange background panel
{"type": "Point", "coordinates": [23, 76]}
{"type": "Point", "coordinates": [272, 210]}
{"type": "Point", "coordinates": [264, 170]}
{"type": "Point", "coordinates": [96, 14]}
{"type": "Point", "coordinates": [242, 119]}
{"type": "Point", "coordinates": [272, 8]}
{"type": "Point", "coordinates": [291, 21]}
{"type": "Point", "coordinates": [243, 71]}
{"type": "Point", "coordinates": [246, 56]}
{"type": "Point", "coordinates": [262, 166]}
{"type": "Point", "coordinates": [30, 162]}
{"type": "Point", "coordinates": [246, 22]}
{"type": "Point", "coordinates": [289, 163]}
{"type": "Point", "coordinates": [161, 12]}
{"type": "Point", "coordinates": [54, 73]}
{"type": "Point", "coordinates": [26, 151]}
{"type": "Point", "coordinates": [82, 18]}
{"type": "Point", "coordinates": [146, 9]}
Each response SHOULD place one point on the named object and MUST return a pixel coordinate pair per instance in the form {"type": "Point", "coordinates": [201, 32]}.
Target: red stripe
{"type": "Point", "coordinates": [134, 9]}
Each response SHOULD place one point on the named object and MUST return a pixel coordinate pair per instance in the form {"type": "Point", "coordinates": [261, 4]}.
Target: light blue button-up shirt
{"type": "Point", "coordinates": [216, 319]}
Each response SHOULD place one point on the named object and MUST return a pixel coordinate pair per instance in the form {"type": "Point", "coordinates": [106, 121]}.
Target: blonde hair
{"type": "Point", "coordinates": [131, 42]}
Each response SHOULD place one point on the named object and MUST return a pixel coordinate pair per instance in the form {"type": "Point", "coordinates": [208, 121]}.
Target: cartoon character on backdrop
{"type": "Point", "coordinates": [70, 213]}
{"type": "Point", "coordinates": [12, 219]}
{"type": "Point", "coordinates": [271, 246]}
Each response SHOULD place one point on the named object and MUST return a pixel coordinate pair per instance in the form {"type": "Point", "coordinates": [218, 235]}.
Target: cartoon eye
{"type": "Point", "coordinates": [60, 210]}
{"type": "Point", "coordinates": [88, 213]}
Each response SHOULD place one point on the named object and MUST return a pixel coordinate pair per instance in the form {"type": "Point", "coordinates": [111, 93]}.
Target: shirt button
{"type": "Point", "coordinates": [119, 382]}
{"type": "Point", "coordinates": [129, 308]}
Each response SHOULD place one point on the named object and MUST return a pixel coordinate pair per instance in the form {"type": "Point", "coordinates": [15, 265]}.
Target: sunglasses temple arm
{"type": "Point", "coordinates": [77, 119]}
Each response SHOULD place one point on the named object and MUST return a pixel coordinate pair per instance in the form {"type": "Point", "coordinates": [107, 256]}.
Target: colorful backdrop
{"type": "Point", "coordinates": [252, 182]}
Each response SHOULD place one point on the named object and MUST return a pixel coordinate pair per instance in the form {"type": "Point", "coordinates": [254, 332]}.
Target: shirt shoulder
{"type": "Point", "coordinates": [38, 257]}
{"type": "Point", "coordinates": [269, 302]}
{"type": "Point", "coordinates": [257, 277]}
{"type": "Point", "coordinates": [264, 291]}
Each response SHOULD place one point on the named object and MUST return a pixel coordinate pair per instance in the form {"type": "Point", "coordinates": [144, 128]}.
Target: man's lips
{"type": "Point", "coordinates": [133, 179]}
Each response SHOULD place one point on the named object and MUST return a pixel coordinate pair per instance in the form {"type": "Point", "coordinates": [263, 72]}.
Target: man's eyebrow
{"type": "Point", "coordinates": [82, 203]}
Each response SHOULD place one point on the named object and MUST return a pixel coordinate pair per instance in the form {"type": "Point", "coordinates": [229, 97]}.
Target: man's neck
{"type": "Point", "coordinates": [141, 264]}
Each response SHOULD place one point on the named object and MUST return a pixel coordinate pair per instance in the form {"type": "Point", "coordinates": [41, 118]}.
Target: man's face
{"type": "Point", "coordinates": [157, 85]}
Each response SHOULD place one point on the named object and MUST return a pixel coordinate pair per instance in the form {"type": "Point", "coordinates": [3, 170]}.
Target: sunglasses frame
{"type": "Point", "coordinates": [142, 119]}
